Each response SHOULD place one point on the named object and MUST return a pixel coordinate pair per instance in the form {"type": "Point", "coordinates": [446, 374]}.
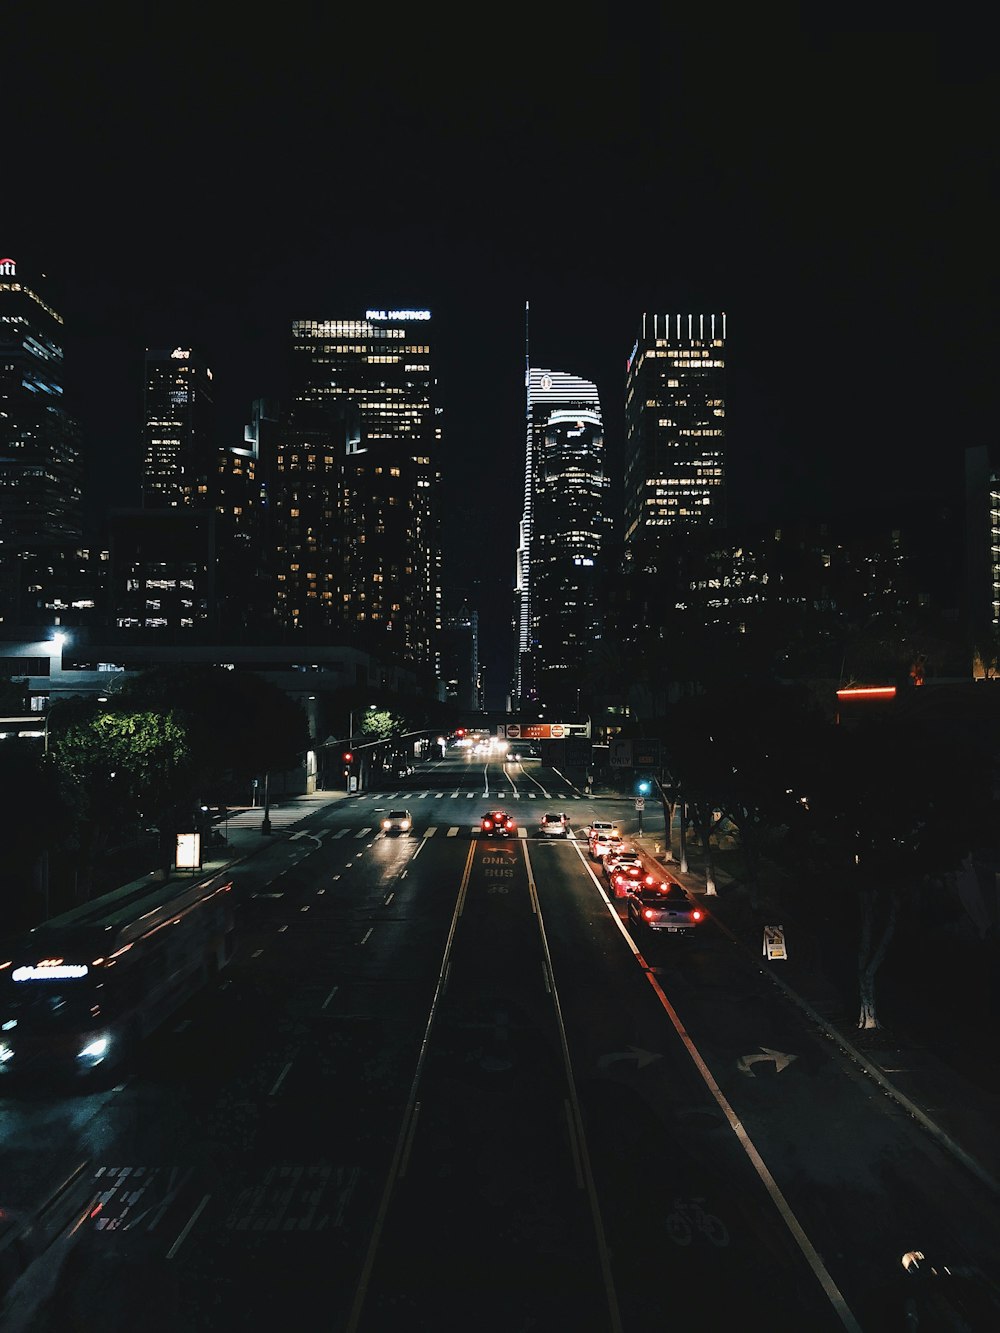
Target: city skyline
{"type": "Point", "coordinates": [820, 181]}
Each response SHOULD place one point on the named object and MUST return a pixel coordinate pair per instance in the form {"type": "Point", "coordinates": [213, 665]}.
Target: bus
{"type": "Point", "coordinates": [80, 991]}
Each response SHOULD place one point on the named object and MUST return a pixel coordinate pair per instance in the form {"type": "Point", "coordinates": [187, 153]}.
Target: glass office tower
{"type": "Point", "coordinates": [372, 379]}
{"type": "Point", "coordinates": [561, 535]}
{"type": "Point", "coordinates": [675, 411]}
{"type": "Point", "coordinates": [179, 453]}
{"type": "Point", "coordinates": [41, 468]}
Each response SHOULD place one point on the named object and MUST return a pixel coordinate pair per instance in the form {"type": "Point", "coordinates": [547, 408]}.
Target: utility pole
{"type": "Point", "coordinates": [265, 824]}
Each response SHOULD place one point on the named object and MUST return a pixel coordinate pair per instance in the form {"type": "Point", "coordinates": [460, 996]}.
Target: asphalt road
{"type": "Point", "coordinates": [443, 1084]}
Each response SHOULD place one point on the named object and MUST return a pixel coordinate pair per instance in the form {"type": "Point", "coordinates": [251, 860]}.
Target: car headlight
{"type": "Point", "coordinates": [385, 823]}
{"type": "Point", "coordinates": [94, 1051]}
{"type": "Point", "coordinates": [404, 824]}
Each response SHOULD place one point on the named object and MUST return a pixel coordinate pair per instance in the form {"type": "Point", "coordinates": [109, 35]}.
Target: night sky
{"type": "Point", "coordinates": [830, 183]}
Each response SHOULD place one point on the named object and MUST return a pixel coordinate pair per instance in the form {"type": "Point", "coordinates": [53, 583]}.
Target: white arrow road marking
{"type": "Point", "coordinates": [779, 1058]}
{"type": "Point", "coordinates": [640, 1057]}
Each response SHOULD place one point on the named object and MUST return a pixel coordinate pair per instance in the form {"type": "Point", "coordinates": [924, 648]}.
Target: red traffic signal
{"type": "Point", "coordinates": [348, 756]}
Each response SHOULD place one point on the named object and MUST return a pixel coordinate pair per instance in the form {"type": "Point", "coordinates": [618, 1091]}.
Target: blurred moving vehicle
{"type": "Point", "coordinates": [497, 824]}
{"type": "Point", "coordinates": [555, 826]}
{"type": "Point", "coordinates": [605, 844]}
{"type": "Point", "coordinates": [663, 906]}
{"type": "Point", "coordinates": [397, 821]}
{"type": "Point", "coordinates": [81, 990]}
{"type": "Point", "coordinates": [952, 1298]}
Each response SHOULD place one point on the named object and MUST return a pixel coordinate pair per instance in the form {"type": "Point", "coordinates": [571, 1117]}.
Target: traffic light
{"type": "Point", "coordinates": [643, 786]}
{"type": "Point", "coordinates": [348, 757]}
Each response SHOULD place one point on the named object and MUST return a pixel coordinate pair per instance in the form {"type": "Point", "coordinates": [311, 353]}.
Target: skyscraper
{"type": "Point", "coordinates": [561, 535]}
{"type": "Point", "coordinates": [675, 410]}
{"type": "Point", "coordinates": [372, 381]}
{"type": "Point", "coordinates": [179, 428]}
{"type": "Point", "coordinates": [41, 472]}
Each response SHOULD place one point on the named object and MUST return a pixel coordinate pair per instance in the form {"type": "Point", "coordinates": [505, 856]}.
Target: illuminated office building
{"type": "Point", "coordinates": [561, 535]}
{"type": "Point", "coordinates": [372, 381]}
{"type": "Point", "coordinates": [41, 469]}
{"type": "Point", "coordinates": [40, 456]}
{"type": "Point", "coordinates": [675, 427]}
{"type": "Point", "coordinates": [179, 451]}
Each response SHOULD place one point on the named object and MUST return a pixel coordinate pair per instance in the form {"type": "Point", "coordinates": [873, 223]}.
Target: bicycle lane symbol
{"type": "Point", "coordinates": [689, 1217]}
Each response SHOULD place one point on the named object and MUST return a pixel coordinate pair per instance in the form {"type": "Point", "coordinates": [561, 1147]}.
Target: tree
{"type": "Point", "coordinates": [30, 783]}
{"type": "Point", "coordinates": [238, 724]}
{"type": "Point", "coordinates": [899, 803]}
{"type": "Point", "coordinates": [123, 767]}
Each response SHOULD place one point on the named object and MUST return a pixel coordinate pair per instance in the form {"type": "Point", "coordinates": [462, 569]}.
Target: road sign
{"type": "Point", "coordinates": [640, 802]}
{"type": "Point", "coordinates": [774, 942]}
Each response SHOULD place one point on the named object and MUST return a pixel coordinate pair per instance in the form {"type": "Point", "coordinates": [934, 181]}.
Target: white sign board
{"type": "Point", "coordinates": [188, 853]}
{"type": "Point", "coordinates": [774, 942]}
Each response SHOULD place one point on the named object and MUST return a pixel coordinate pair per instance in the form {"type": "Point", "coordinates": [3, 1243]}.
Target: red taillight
{"type": "Point", "coordinates": [696, 914]}
{"type": "Point", "coordinates": [649, 879]}
{"type": "Point", "coordinates": [487, 824]}
{"type": "Point", "coordinates": [649, 914]}
{"type": "Point", "coordinates": [510, 824]}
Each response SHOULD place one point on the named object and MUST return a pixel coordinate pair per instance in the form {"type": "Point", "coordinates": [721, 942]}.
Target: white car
{"type": "Point", "coordinates": [555, 826]}
{"type": "Point", "coordinates": [604, 844]}
{"type": "Point", "coordinates": [602, 826]}
{"type": "Point", "coordinates": [397, 821]}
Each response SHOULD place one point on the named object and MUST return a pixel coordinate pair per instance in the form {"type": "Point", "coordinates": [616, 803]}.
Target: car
{"type": "Point", "coordinates": [663, 906]}
{"type": "Point", "coordinates": [601, 826]}
{"type": "Point", "coordinates": [556, 826]}
{"type": "Point", "coordinates": [626, 879]}
{"type": "Point", "coordinates": [397, 821]}
{"type": "Point", "coordinates": [497, 824]}
{"type": "Point", "coordinates": [604, 844]}
{"type": "Point", "coordinates": [625, 855]}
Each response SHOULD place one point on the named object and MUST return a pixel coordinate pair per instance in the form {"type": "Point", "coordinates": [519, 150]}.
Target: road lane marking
{"type": "Point", "coordinates": [573, 1143]}
{"type": "Point", "coordinates": [280, 1079]}
{"type": "Point", "coordinates": [190, 1223]}
{"type": "Point", "coordinates": [256, 953]}
{"type": "Point", "coordinates": [329, 997]}
{"type": "Point", "coordinates": [429, 832]}
{"type": "Point", "coordinates": [362, 833]}
{"type": "Point", "coordinates": [813, 1259]}
{"type": "Point", "coordinates": [597, 1220]}
{"type": "Point", "coordinates": [383, 1208]}
{"type": "Point", "coordinates": [366, 936]}
{"type": "Point", "coordinates": [389, 899]}
{"type": "Point", "coordinates": [452, 831]}
{"type": "Point", "coordinates": [409, 1140]}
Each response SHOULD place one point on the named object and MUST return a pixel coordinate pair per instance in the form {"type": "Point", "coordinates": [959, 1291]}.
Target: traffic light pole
{"type": "Point", "coordinates": [265, 823]}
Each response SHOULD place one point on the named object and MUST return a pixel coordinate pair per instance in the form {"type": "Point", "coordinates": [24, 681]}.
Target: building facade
{"type": "Point", "coordinates": [675, 427]}
{"type": "Point", "coordinates": [561, 536]}
{"type": "Point", "coordinates": [369, 386]}
{"type": "Point", "coordinates": [179, 441]}
{"type": "Point", "coordinates": [41, 466]}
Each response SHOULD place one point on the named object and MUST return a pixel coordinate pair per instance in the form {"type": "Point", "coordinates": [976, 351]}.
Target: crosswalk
{"type": "Point", "coordinates": [289, 817]}
{"type": "Point", "coordinates": [497, 794]}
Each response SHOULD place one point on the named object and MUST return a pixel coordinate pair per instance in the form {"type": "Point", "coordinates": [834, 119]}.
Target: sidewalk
{"type": "Point", "coordinates": [961, 1111]}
